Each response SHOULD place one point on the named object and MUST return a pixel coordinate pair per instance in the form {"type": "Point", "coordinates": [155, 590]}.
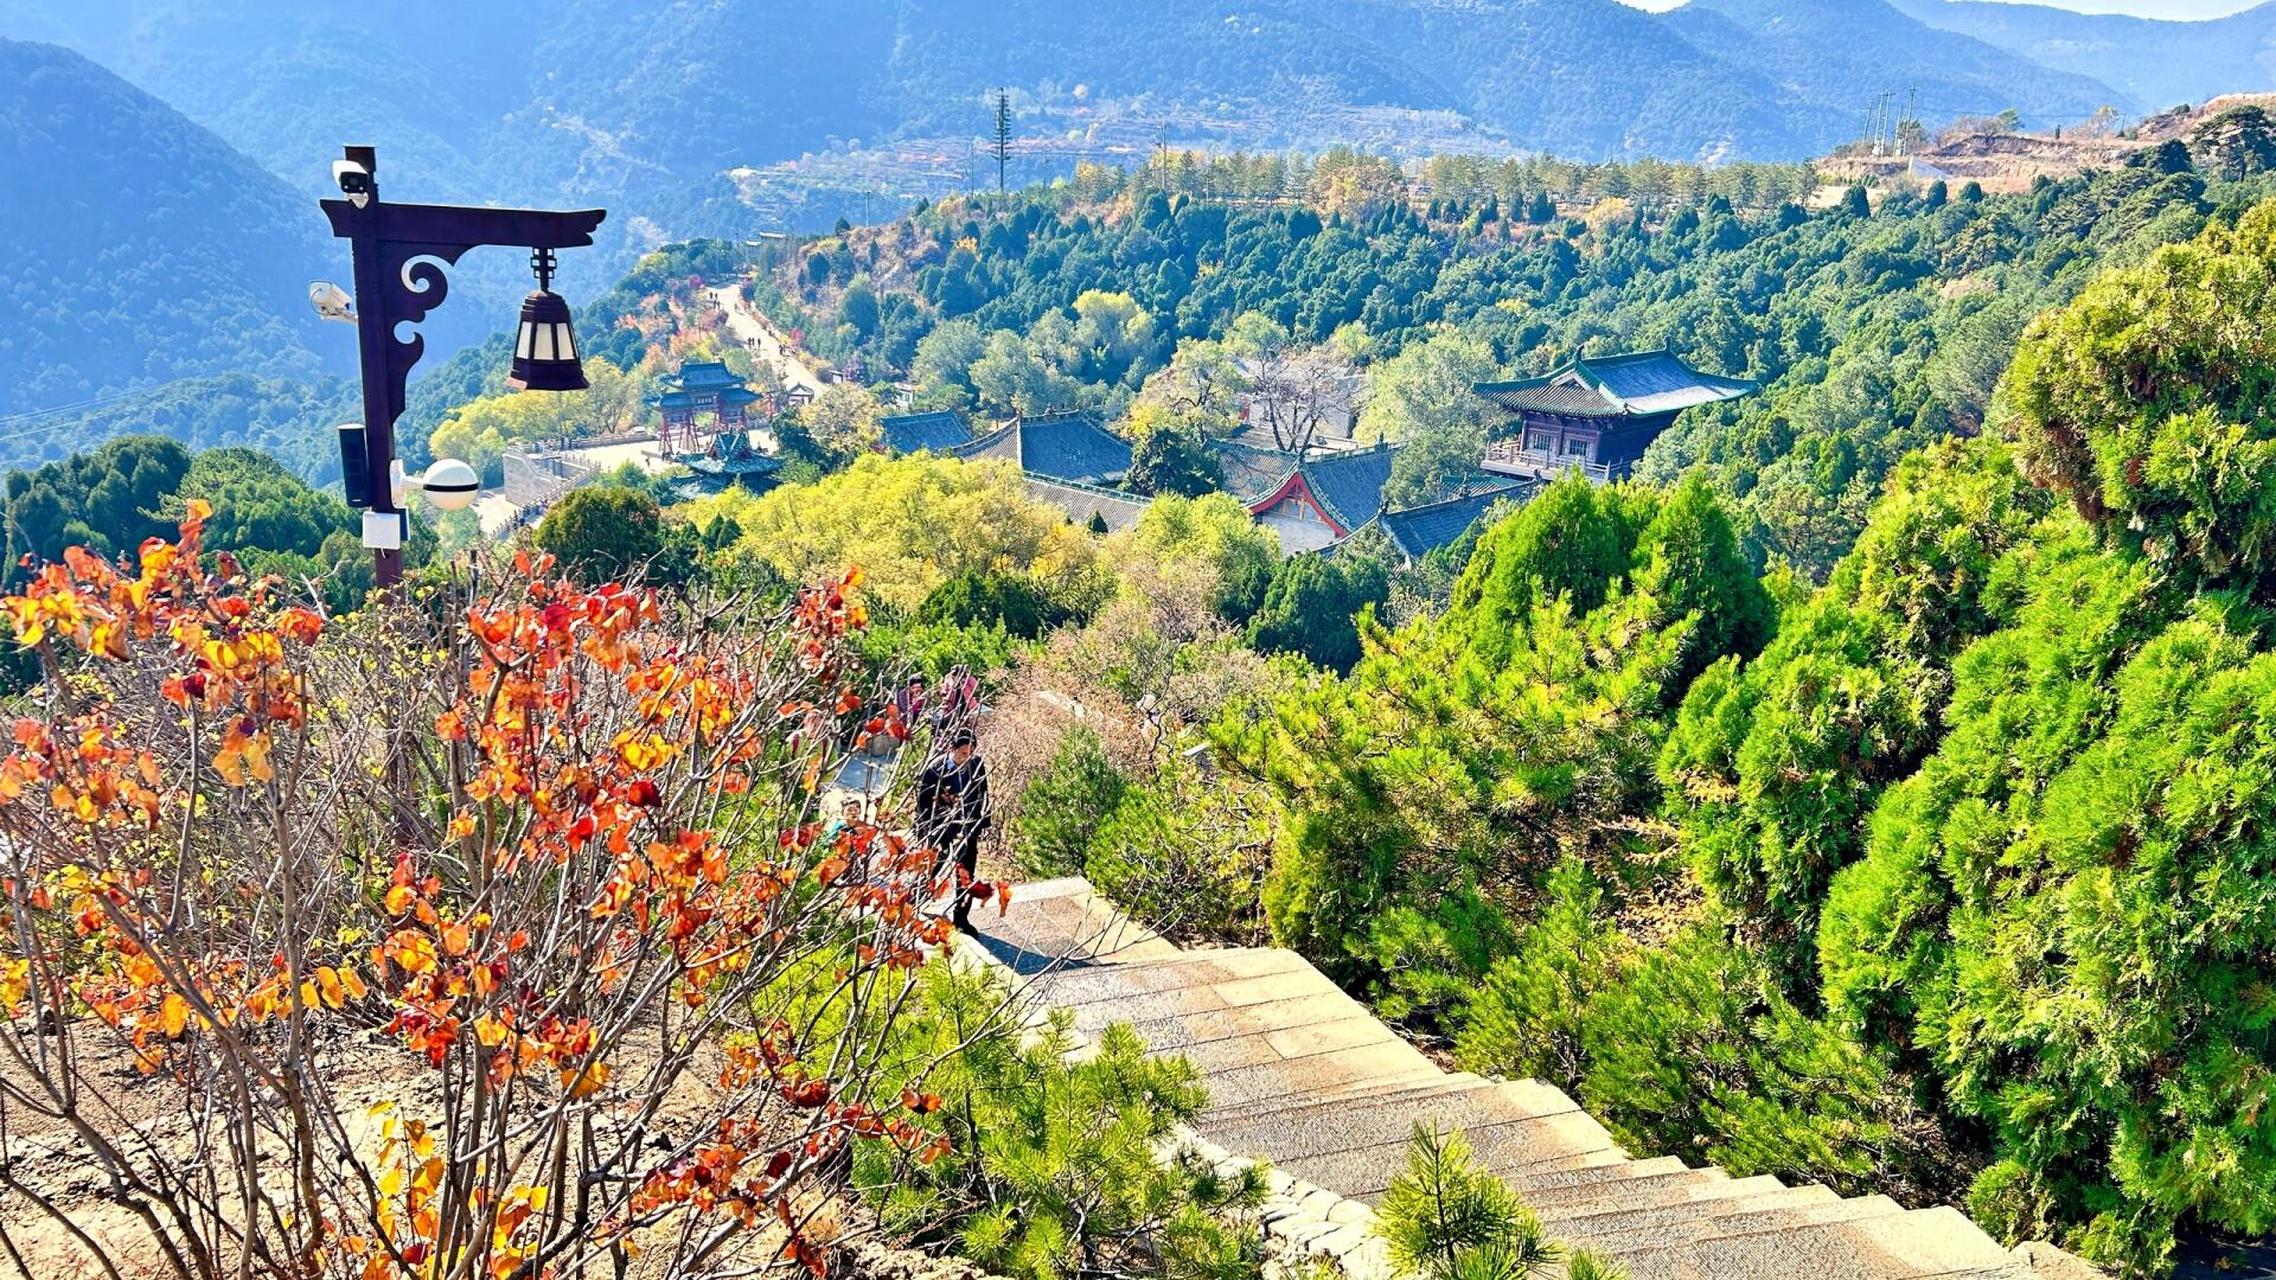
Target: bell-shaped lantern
{"type": "Point", "coordinates": [545, 348]}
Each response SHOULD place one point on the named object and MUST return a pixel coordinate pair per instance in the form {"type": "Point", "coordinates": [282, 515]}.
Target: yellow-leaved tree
{"type": "Point", "coordinates": [913, 522]}
{"type": "Point", "coordinates": [481, 430]}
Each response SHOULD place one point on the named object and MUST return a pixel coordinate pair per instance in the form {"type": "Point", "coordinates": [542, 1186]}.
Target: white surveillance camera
{"type": "Point", "coordinates": [331, 301]}
{"type": "Point", "coordinates": [451, 485]}
{"type": "Point", "coordinates": [355, 181]}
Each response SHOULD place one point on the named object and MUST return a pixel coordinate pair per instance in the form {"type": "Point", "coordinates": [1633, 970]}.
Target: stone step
{"type": "Point", "coordinates": [1581, 1162]}
{"type": "Point", "coordinates": [1287, 1045]}
{"type": "Point", "coordinates": [1938, 1242]}
{"type": "Point", "coordinates": [1181, 1034]}
{"type": "Point", "coordinates": [1326, 1075]}
{"type": "Point", "coordinates": [1065, 930]}
{"type": "Point", "coordinates": [1074, 987]}
{"type": "Point", "coordinates": [1342, 1123]}
{"type": "Point", "coordinates": [1586, 1219]}
{"type": "Point", "coordinates": [1550, 1180]}
{"type": "Point", "coordinates": [1365, 1172]}
{"type": "Point", "coordinates": [1529, 1097]}
{"type": "Point", "coordinates": [1410, 1091]}
{"type": "Point", "coordinates": [1718, 1219]}
{"type": "Point", "coordinates": [1044, 890]}
{"type": "Point", "coordinates": [1532, 1097]}
{"type": "Point", "coordinates": [1205, 994]}
{"type": "Point", "coordinates": [1673, 1187]}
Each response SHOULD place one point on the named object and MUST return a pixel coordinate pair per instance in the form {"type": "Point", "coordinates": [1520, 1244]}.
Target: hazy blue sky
{"type": "Point", "coordinates": [2145, 8]}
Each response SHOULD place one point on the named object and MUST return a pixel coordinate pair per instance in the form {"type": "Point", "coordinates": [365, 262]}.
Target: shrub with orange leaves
{"type": "Point", "coordinates": [460, 938]}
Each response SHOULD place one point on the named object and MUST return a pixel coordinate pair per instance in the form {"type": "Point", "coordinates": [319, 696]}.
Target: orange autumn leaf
{"type": "Point", "coordinates": [173, 1016]}
{"type": "Point", "coordinates": [585, 1083]}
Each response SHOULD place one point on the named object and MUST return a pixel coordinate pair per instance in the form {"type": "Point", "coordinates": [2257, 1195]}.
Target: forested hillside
{"type": "Point", "coordinates": [1949, 878]}
{"type": "Point", "coordinates": [140, 248]}
{"type": "Point", "coordinates": [1873, 329]}
{"type": "Point", "coordinates": [1946, 854]}
{"type": "Point", "coordinates": [110, 499]}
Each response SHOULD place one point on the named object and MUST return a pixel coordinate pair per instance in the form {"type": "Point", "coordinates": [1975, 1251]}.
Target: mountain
{"type": "Point", "coordinates": [648, 102]}
{"type": "Point", "coordinates": [1837, 55]}
{"type": "Point", "coordinates": [2156, 63]}
{"type": "Point", "coordinates": [145, 249]}
{"type": "Point", "coordinates": [723, 119]}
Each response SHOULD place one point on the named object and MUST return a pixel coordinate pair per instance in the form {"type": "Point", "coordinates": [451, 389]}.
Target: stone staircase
{"type": "Point", "coordinates": [1303, 1076]}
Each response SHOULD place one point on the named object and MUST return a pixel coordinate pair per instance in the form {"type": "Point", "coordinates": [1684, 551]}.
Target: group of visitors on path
{"type": "Point", "coordinates": [952, 803]}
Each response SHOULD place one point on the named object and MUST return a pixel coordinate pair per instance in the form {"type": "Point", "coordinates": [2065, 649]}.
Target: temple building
{"type": "Point", "coordinates": [1067, 459]}
{"type": "Point", "coordinates": [1323, 500]}
{"type": "Point", "coordinates": [703, 399]}
{"type": "Point", "coordinates": [940, 431]}
{"type": "Point", "coordinates": [704, 423]}
{"type": "Point", "coordinates": [1596, 414]}
{"type": "Point", "coordinates": [1069, 447]}
{"type": "Point", "coordinates": [1415, 532]}
{"type": "Point", "coordinates": [1327, 497]}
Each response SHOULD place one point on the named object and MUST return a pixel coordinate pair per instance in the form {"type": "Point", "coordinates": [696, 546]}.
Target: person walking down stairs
{"type": "Point", "coordinates": [952, 811]}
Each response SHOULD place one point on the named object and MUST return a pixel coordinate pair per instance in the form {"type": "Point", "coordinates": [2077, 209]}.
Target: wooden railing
{"type": "Point", "coordinates": [1511, 457]}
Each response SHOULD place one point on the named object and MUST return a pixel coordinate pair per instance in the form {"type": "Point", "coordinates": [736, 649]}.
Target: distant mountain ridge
{"type": "Point", "coordinates": [1834, 55]}
{"type": "Point", "coordinates": [2156, 63]}
{"type": "Point", "coordinates": [589, 98]}
{"type": "Point", "coordinates": [661, 111]}
{"type": "Point", "coordinates": [142, 249]}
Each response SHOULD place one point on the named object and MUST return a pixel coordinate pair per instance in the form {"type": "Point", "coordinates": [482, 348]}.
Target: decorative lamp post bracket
{"type": "Point", "coordinates": [400, 251]}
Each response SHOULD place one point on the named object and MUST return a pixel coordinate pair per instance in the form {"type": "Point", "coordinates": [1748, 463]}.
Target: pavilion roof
{"type": "Point", "coordinates": [1252, 473]}
{"type": "Point", "coordinates": [1350, 484]}
{"type": "Point", "coordinates": [702, 375]}
{"type": "Point", "coordinates": [1118, 509]}
{"type": "Point", "coordinates": [729, 396]}
{"type": "Point", "coordinates": [1060, 446]}
{"type": "Point", "coordinates": [1638, 384]}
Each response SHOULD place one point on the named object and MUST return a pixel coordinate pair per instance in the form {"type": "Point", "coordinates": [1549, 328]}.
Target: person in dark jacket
{"type": "Point", "coordinates": [952, 811]}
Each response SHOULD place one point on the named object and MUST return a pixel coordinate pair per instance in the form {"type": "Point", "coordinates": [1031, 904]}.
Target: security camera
{"type": "Point", "coordinates": [331, 301]}
{"type": "Point", "coordinates": [355, 181]}
{"type": "Point", "coordinates": [450, 484]}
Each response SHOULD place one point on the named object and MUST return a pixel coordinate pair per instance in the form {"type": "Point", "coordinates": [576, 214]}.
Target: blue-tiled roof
{"type": "Point", "coordinates": [1418, 531]}
{"type": "Point", "coordinates": [1251, 472]}
{"type": "Point", "coordinates": [729, 396]}
{"type": "Point", "coordinates": [1082, 501]}
{"type": "Point", "coordinates": [1350, 485]}
{"type": "Point", "coordinates": [1651, 381]}
{"type": "Point", "coordinates": [939, 431]}
{"type": "Point", "coordinates": [704, 374]}
{"type": "Point", "coordinates": [1067, 446]}
{"type": "Point", "coordinates": [1640, 383]}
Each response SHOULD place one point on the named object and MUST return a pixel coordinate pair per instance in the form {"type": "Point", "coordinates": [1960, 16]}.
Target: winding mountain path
{"type": "Point", "coordinates": [1302, 1075]}
{"type": "Point", "coordinates": [765, 341]}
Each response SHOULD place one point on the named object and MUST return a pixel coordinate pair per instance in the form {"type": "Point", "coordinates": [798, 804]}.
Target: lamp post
{"type": "Point", "coordinates": [400, 251]}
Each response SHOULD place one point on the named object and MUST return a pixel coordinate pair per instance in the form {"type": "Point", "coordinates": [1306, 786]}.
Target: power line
{"type": "Point", "coordinates": [91, 402]}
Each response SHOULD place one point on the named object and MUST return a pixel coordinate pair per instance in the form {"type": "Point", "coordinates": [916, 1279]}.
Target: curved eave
{"type": "Point", "coordinates": [1292, 486]}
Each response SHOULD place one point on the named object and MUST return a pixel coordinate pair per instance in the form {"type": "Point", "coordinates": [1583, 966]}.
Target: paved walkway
{"type": "Point", "coordinates": [759, 334]}
{"type": "Point", "coordinates": [1303, 1075]}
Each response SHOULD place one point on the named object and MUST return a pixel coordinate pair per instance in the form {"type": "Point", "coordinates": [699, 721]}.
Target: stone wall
{"type": "Point", "coordinates": [533, 479]}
